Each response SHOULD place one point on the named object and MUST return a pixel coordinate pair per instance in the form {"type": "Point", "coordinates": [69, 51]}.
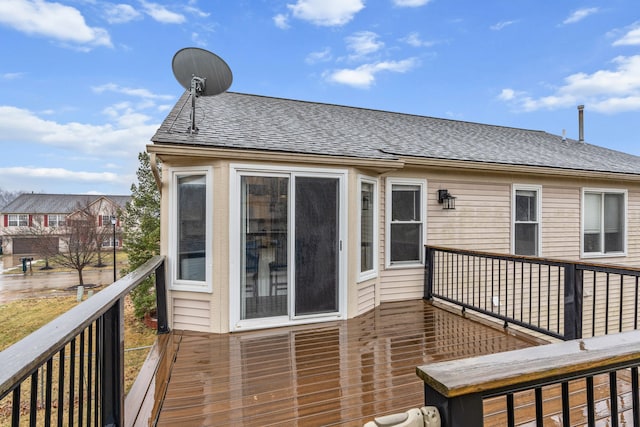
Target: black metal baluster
{"type": "Point", "coordinates": [558, 300]}
{"type": "Point", "coordinates": [635, 396]}
{"type": "Point", "coordinates": [81, 382]}
{"type": "Point", "coordinates": [566, 417]}
{"type": "Point", "coordinates": [511, 416]}
{"type": "Point", "coordinates": [635, 309]}
{"type": "Point", "coordinates": [61, 355]}
{"type": "Point", "coordinates": [15, 407]}
{"type": "Point", "coordinates": [530, 289]}
{"type": "Point", "coordinates": [539, 411]}
{"type": "Point", "coordinates": [89, 367]}
{"type": "Point", "coordinates": [593, 310]}
{"type": "Point", "coordinates": [72, 376]}
{"type": "Point", "coordinates": [621, 295]}
{"type": "Point", "coordinates": [48, 387]}
{"type": "Point", "coordinates": [606, 311]}
{"type": "Point", "coordinates": [613, 396]}
{"type": "Point", "coordinates": [33, 404]}
{"type": "Point", "coordinates": [591, 403]}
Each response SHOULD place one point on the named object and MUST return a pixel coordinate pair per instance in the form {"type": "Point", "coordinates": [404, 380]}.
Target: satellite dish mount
{"type": "Point", "coordinates": [197, 87]}
{"type": "Point", "coordinates": [202, 73]}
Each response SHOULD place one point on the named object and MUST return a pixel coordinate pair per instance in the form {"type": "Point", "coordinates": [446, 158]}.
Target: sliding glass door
{"type": "Point", "coordinates": [290, 246]}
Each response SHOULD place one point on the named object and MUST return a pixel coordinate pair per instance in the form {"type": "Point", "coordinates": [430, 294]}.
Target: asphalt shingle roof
{"type": "Point", "coordinates": [241, 121]}
{"type": "Point", "coordinates": [30, 203]}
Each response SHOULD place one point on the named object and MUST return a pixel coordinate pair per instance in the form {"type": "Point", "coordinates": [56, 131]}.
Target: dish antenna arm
{"type": "Point", "coordinates": [198, 85]}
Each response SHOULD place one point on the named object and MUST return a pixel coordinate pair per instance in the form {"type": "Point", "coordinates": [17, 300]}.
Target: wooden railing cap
{"type": "Point", "coordinates": [535, 365]}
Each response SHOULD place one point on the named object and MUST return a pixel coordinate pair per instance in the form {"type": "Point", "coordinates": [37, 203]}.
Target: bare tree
{"type": "Point", "coordinates": [45, 240]}
{"type": "Point", "coordinates": [103, 233]}
{"type": "Point", "coordinates": [7, 196]}
{"type": "Point", "coordinates": [79, 239]}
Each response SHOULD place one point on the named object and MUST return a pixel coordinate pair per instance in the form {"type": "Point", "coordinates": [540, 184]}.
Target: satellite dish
{"type": "Point", "coordinates": [202, 73]}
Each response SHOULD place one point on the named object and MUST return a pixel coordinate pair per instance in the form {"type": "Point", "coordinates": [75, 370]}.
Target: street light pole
{"type": "Point", "coordinates": [113, 222]}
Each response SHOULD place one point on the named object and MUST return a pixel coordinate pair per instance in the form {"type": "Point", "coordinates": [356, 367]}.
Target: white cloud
{"type": "Point", "coordinates": [507, 94]}
{"type": "Point", "coordinates": [197, 39]}
{"type": "Point", "coordinates": [126, 135]}
{"type": "Point", "coordinates": [363, 43]}
{"type": "Point", "coordinates": [12, 76]}
{"type": "Point", "coordinates": [161, 13]}
{"type": "Point", "coordinates": [281, 21]}
{"type": "Point", "coordinates": [410, 3]}
{"type": "Point", "coordinates": [413, 39]}
{"type": "Point", "coordinates": [605, 91]}
{"type": "Point", "coordinates": [326, 12]}
{"type": "Point", "coordinates": [631, 38]}
{"type": "Point", "coordinates": [364, 75]}
{"type": "Point", "coordinates": [121, 13]}
{"type": "Point", "coordinates": [319, 56]}
{"type": "Point", "coordinates": [580, 14]}
{"type": "Point", "coordinates": [136, 92]}
{"type": "Point", "coordinates": [192, 9]}
{"type": "Point", "coordinates": [54, 20]}
{"type": "Point", "coordinates": [501, 25]}
{"type": "Point", "coordinates": [62, 174]}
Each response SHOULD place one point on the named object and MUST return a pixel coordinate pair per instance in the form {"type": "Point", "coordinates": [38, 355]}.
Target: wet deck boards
{"type": "Point", "coordinates": [338, 373]}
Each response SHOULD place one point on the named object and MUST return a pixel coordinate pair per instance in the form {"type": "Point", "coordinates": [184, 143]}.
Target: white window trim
{"type": "Point", "coordinates": [190, 285]}
{"type": "Point", "coordinates": [17, 220]}
{"type": "Point", "coordinates": [59, 218]}
{"type": "Point", "coordinates": [624, 192]}
{"type": "Point", "coordinates": [373, 273]}
{"type": "Point", "coordinates": [390, 181]}
{"type": "Point", "coordinates": [538, 190]}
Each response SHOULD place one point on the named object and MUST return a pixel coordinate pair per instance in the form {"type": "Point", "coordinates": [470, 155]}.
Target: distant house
{"type": "Point", "coordinates": [49, 212]}
{"type": "Point", "coordinates": [279, 212]}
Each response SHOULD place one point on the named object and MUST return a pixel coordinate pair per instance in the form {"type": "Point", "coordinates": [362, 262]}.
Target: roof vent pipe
{"type": "Point", "coordinates": [581, 123]}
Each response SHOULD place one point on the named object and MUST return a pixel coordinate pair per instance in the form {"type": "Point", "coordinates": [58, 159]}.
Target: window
{"type": "Point", "coordinates": [603, 222]}
{"type": "Point", "coordinates": [191, 219]}
{"type": "Point", "coordinates": [56, 220]}
{"type": "Point", "coordinates": [368, 208]}
{"type": "Point", "coordinates": [405, 221]}
{"type": "Point", "coordinates": [106, 221]}
{"type": "Point", "coordinates": [526, 220]}
{"type": "Point", "coordinates": [21, 220]}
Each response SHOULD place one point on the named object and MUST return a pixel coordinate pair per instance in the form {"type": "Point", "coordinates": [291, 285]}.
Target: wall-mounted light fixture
{"type": "Point", "coordinates": [446, 199]}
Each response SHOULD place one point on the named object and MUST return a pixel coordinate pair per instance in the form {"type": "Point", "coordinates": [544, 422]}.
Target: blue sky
{"type": "Point", "coordinates": [84, 84]}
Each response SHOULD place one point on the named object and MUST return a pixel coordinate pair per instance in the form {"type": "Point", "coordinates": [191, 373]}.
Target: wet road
{"type": "Point", "coordinates": [37, 283]}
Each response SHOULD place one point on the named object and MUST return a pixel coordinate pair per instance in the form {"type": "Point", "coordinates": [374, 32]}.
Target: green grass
{"type": "Point", "coordinates": [22, 317]}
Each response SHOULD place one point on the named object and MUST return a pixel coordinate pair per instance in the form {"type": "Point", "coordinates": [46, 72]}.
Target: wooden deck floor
{"type": "Point", "coordinates": [338, 373]}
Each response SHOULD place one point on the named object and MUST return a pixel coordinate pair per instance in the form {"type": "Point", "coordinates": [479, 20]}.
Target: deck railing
{"type": "Point", "coordinates": [578, 382]}
{"type": "Point", "coordinates": [581, 382]}
{"type": "Point", "coordinates": [561, 299]}
{"type": "Point", "coordinates": [73, 366]}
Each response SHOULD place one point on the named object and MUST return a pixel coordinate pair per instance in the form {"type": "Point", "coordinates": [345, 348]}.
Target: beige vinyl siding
{"type": "Point", "coordinates": [366, 297]}
{"type": "Point", "coordinates": [190, 314]}
{"type": "Point", "coordinates": [633, 227]}
{"type": "Point", "coordinates": [560, 222]}
{"type": "Point", "coordinates": [481, 218]}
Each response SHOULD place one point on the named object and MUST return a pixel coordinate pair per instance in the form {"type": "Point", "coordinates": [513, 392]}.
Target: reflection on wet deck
{"type": "Point", "coordinates": [338, 373]}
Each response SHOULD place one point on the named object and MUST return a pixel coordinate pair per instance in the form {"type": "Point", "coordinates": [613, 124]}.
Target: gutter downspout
{"type": "Point", "coordinates": [154, 170]}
